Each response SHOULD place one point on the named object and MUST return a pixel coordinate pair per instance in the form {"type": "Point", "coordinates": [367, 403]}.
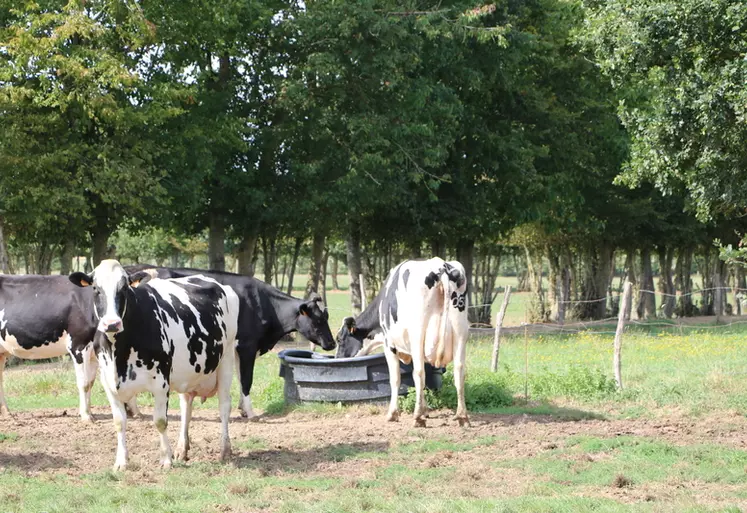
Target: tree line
{"type": "Point", "coordinates": [565, 135]}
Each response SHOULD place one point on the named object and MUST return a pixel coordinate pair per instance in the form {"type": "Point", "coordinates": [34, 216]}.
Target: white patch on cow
{"type": "Point", "coordinates": [107, 276]}
{"type": "Point", "coordinates": [51, 349]}
{"type": "Point", "coordinates": [3, 322]}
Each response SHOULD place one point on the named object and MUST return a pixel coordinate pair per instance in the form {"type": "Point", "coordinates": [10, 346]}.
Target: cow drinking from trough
{"type": "Point", "coordinates": [422, 313]}
{"type": "Point", "coordinates": [163, 335]}
{"type": "Point", "coordinates": [265, 316]}
{"type": "Point", "coordinates": [45, 317]}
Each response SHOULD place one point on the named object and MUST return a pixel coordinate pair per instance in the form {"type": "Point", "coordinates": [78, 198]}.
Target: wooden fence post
{"type": "Point", "coordinates": [617, 363]}
{"type": "Point", "coordinates": [362, 284]}
{"type": "Point", "coordinates": [498, 326]}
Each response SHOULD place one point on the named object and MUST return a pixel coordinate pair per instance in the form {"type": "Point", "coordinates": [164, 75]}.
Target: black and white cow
{"type": "Point", "coordinates": [45, 317]}
{"type": "Point", "coordinates": [265, 316]}
{"type": "Point", "coordinates": [163, 335]}
{"type": "Point", "coordinates": [422, 313]}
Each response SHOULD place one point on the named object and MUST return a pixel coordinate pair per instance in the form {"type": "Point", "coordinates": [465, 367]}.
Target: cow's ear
{"type": "Point", "coordinates": [139, 278]}
{"type": "Point", "coordinates": [349, 324]}
{"type": "Point", "coordinates": [80, 279]}
{"type": "Point", "coordinates": [303, 309]}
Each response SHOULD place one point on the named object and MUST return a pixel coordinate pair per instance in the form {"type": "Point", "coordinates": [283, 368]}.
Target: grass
{"type": "Point", "coordinates": [568, 378]}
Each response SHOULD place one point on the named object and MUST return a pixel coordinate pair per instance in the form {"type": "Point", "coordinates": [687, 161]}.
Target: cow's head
{"type": "Point", "coordinates": [111, 285]}
{"type": "Point", "coordinates": [313, 323]}
{"type": "Point", "coordinates": [349, 341]}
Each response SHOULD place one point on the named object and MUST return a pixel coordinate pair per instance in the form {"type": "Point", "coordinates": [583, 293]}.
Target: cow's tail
{"type": "Point", "coordinates": [445, 327]}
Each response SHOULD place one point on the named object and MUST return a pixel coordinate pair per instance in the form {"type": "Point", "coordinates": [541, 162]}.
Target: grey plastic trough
{"type": "Point", "coordinates": [316, 377]}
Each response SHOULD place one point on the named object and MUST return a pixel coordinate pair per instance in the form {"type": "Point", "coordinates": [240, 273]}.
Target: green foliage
{"type": "Point", "coordinates": [482, 391]}
{"type": "Point", "coordinates": [578, 382]}
{"type": "Point", "coordinates": [679, 66]}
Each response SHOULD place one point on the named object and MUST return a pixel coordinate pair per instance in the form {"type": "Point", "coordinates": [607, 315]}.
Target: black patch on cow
{"type": "Point", "coordinates": [139, 363]}
{"type": "Point", "coordinates": [405, 277]}
{"type": "Point", "coordinates": [197, 368]}
{"type": "Point", "coordinates": [431, 279]}
{"type": "Point", "coordinates": [459, 301]}
{"type": "Point", "coordinates": [390, 301]}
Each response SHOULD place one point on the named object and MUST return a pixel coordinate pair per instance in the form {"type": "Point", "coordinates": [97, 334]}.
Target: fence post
{"type": "Point", "coordinates": [498, 326]}
{"type": "Point", "coordinates": [617, 364]}
{"type": "Point", "coordinates": [362, 284]}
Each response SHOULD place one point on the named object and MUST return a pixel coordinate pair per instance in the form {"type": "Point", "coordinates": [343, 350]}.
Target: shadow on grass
{"type": "Point", "coordinates": [33, 461]}
{"type": "Point", "coordinates": [543, 413]}
{"type": "Point", "coordinates": [276, 461]}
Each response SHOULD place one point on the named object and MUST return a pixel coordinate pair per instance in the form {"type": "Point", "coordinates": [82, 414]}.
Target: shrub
{"type": "Point", "coordinates": [482, 391]}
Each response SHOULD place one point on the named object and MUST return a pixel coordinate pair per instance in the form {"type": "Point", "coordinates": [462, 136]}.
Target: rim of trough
{"type": "Point", "coordinates": [288, 355]}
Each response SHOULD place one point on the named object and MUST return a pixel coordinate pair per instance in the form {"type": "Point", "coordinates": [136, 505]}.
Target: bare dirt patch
{"type": "Point", "coordinates": [347, 445]}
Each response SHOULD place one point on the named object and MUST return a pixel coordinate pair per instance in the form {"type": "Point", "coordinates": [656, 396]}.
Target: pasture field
{"type": "Point", "coordinates": [674, 440]}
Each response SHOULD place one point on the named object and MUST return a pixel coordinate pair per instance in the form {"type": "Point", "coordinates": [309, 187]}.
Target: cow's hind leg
{"type": "Point", "coordinates": [225, 376]}
{"type": "Point", "coordinates": [394, 382]}
{"type": "Point", "coordinates": [459, 358]}
{"type": "Point", "coordinates": [161, 421]}
{"type": "Point", "coordinates": [131, 408]}
{"type": "Point", "coordinates": [418, 376]}
{"type": "Point", "coordinates": [182, 448]}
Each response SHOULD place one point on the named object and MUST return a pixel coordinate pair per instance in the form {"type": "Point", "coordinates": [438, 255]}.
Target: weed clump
{"type": "Point", "coordinates": [482, 391]}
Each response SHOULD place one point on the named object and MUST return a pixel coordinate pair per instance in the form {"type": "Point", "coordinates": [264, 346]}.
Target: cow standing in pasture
{"type": "Point", "coordinates": [265, 316]}
{"type": "Point", "coordinates": [46, 317]}
{"type": "Point", "coordinates": [160, 336]}
{"type": "Point", "coordinates": [422, 313]}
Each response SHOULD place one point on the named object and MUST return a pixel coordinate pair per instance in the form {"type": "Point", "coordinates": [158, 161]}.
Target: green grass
{"type": "Point", "coordinates": [568, 379]}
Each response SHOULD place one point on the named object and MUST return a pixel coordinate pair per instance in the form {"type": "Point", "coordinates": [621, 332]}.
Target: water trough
{"type": "Point", "coordinates": [316, 377]}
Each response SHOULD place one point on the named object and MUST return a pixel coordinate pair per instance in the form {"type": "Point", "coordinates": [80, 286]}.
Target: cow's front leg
{"type": "Point", "coordinates": [182, 448]}
{"type": "Point", "coordinates": [119, 417]}
{"type": "Point", "coordinates": [225, 377]}
{"type": "Point", "coordinates": [394, 382]}
{"type": "Point", "coordinates": [161, 421]}
{"type": "Point", "coordinates": [86, 364]}
{"type": "Point", "coordinates": [3, 405]}
{"type": "Point", "coordinates": [245, 358]}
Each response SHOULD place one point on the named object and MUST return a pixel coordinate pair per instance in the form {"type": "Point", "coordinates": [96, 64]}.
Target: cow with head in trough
{"type": "Point", "coordinates": [159, 336]}
{"type": "Point", "coordinates": [265, 316]}
{"type": "Point", "coordinates": [46, 317]}
{"type": "Point", "coordinates": [421, 312]}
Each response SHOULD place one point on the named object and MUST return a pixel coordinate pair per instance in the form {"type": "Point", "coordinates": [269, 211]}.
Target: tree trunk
{"type": "Point", "coordinates": [666, 285]}
{"type": "Point", "coordinates": [4, 260]}
{"type": "Point", "coordinates": [247, 246]}
{"type": "Point", "coordinates": [630, 276]}
{"type": "Point", "coordinates": [66, 257]}
{"type": "Point", "coordinates": [684, 283]}
{"type": "Point", "coordinates": [564, 293]}
{"type": "Point", "coordinates": [335, 265]}
{"type": "Point", "coordinates": [175, 253]}
{"type": "Point", "coordinates": [315, 265]}
{"type": "Point", "coordinates": [217, 243]}
{"type": "Point", "coordinates": [534, 277]}
{"type": "Point", "coordinates": [353, 250]}
{"type": "Point", "coordinates": [741, 287]}
{"type": "Point", "coordinates": [553, 282]}
{"type": "Point", "coordinates": [647, 298]}
{"type": "Point", "coordinates": [268, 259]}
{"type": "Point", "coordinates": [100, 239]}
{"type": "Point", "coordinates": [466, 256]}
{"type": "Point", "coordinates": [438, 249]}
{"type": "Point", "coordinates": [415, 249]}
{"type": "Point", "coordinates": [294, 261]}
{"type": "Point", "coordinates": [325, 259]}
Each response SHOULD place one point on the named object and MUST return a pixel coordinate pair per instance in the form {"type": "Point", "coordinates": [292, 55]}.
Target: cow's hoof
{"type": "Point", "coordinates": [181, 454]}
{"type": "Point", "coordinates": [463, 421]}
{"type": "Point", "coordinates": [392, 416]}
{"type": "Point", "coordinates": [120, 466]}
{"type": "Point", "coordinates": [166, 464]}
{"type": "Point", "coordinates": [225, 454]}
{"type": "Point", "coordinates": [419, 422]}
{"type": "Point", "coordinates": [87, 418]}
